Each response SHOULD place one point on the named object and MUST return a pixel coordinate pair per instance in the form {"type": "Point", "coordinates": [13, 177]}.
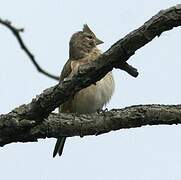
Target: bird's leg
{"type": "Point", "coordinates": [102, 111]}
{"type": "Point", "coordinates": [81, 134]}
{"type": "Point", "coordinates": [74, 121]}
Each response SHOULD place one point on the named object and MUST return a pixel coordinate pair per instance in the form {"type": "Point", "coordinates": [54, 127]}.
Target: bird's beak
{"type": "Point", "coordinates": [98, 41]}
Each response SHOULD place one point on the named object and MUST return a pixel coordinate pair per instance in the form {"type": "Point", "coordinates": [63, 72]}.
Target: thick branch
{"type": "Point", "coordinates": [16, 33]}
{"type": "Point", "coordinates": [16, 130]}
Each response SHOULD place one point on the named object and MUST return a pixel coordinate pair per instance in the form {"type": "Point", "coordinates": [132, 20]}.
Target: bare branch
{"type": "Point", "coordinates": [18, 130]}
{"type": "Point", "coordinates": [16, 33]}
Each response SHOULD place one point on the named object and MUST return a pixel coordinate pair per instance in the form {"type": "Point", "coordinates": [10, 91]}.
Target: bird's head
{"type": "Point", "coordinates": [82, 42]}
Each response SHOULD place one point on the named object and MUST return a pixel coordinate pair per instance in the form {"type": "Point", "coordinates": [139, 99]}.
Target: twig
{"type": "Point", "coordinates": [16, 33]}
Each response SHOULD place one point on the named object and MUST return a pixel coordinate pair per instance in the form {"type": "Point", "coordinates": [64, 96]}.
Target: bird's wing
{"type": "Point", "coordinates": [71, 67]}
{"type": "Point", "coordinates": [66, 70]}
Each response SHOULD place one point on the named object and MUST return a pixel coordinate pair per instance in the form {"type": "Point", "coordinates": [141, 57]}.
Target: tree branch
{"type": "Point", "coordinates": [16, 33]}
{"type": "Point", "coordinates": [56, 125]}
{"type": "Point", "coordinates": [33, 114]}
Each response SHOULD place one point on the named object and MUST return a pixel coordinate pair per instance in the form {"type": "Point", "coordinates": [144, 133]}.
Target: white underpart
{"type": "Point", "coordinates": [94, 97]}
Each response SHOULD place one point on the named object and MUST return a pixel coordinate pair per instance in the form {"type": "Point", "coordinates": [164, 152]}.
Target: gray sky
{"type": "Point", "coordinates": [142, 153]}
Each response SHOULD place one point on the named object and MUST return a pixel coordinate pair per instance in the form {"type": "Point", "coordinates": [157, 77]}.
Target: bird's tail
{"type": "Point", "coordinates": [59, 146]}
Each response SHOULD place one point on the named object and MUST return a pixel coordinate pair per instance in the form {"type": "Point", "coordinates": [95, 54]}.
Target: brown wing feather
{"type": "Point", "coordinates": [66, 70]}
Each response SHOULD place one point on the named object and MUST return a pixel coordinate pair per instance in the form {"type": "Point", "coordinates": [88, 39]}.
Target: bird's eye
{"type": "Point", "coordinates": [89, 36]}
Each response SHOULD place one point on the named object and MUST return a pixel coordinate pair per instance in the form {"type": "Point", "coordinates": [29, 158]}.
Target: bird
{"type": "Point", "coordinates": [83, 49]}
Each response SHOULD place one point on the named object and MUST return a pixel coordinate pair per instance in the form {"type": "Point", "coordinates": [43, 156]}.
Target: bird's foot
{"type": "Point", "coordinates": [99, 111]}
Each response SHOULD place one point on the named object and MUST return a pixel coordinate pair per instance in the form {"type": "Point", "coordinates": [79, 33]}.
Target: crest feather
{"type": "Point", "coordinates": [87, 29]}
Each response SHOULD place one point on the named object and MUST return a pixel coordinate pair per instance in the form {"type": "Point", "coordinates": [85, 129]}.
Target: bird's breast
{"type": "Point", "coordinates": [92, 98]}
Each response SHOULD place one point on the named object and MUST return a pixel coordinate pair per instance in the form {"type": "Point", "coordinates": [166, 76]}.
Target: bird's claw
{"type": "Point", "coordinates": [99, 111]}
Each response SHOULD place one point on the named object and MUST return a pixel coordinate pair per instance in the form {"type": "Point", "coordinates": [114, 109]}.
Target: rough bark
{"type": "Point", "coordinates": [13, 129]}
{"type": "Point", "coordinates": [30, 118]}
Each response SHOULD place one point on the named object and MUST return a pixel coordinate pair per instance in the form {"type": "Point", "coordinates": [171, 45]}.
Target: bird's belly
{"type": "Point", "coordinates": [92, 98]}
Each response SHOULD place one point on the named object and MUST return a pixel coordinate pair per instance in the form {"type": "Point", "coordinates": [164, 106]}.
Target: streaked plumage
{"type": "Point", "coordinates": [83, 49]}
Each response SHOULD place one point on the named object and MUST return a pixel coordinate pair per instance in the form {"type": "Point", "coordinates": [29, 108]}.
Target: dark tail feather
{"type": "Point", "coordinates": [59, 146]}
